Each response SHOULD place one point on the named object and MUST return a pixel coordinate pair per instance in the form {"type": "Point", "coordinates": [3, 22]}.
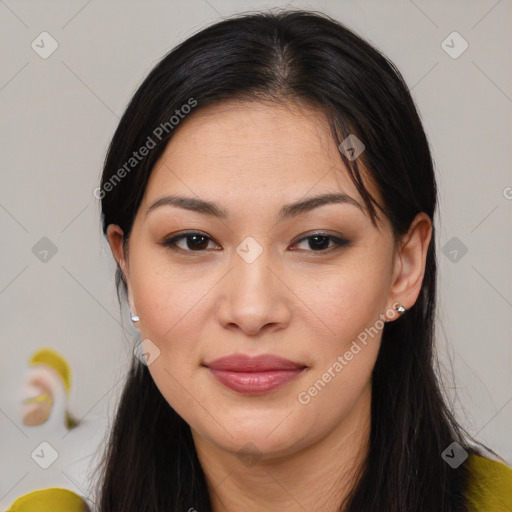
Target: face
{"type": "Point", "coordinates": [307, 284]}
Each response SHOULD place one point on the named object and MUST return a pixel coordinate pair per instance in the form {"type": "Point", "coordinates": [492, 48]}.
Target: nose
{"type": "Point", "coordinates": [254, 299]}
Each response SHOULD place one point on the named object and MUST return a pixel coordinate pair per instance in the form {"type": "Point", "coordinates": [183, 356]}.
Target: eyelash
{"type": "Point", "coordinates": [338, 242]}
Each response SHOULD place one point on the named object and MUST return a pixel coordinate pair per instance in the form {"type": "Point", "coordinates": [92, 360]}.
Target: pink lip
{"type": "Point", "coordinates": [261, 374]}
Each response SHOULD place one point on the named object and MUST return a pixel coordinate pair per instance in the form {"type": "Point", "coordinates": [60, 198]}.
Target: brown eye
{"type": "Point", "coordinates": [193, 242]}
{"type": "Point", "coordinates": [199, 242]}
{"type": "Point", "coordinates": [320, 242]}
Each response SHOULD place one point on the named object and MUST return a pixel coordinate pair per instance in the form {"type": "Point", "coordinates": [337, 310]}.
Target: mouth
{"type": "Point", "coordinates": [254, 375]}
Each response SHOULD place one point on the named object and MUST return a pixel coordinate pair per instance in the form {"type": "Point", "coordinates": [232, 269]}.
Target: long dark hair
{"type": "Point", "coordinates": [150, 462]}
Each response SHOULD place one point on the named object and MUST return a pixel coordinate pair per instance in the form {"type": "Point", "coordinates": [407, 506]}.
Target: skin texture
{"type": "Point", "coordinates": [294, 300]}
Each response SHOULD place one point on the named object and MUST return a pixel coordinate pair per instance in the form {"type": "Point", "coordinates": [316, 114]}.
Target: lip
{"type": "Point", "coordinates": [246, 363]}
{"type": "Point", "coordinates": [254, 375]}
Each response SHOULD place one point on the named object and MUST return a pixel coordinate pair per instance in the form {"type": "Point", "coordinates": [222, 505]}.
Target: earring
{"type": "Point", "coordinates": [400, 309]}
{"type": "Point", "coordinates": [135, 318]}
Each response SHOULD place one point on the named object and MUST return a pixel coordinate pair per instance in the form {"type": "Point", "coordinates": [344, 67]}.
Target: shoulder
{"type": "Point", "coordinates": [489, 486]}
{"type": "Point", "coordinates": [52, 499]}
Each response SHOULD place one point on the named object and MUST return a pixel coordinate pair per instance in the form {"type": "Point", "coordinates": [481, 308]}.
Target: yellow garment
{"type": "Point", "coordinates": [490, 485]}
{"type": "Point", "coordinates": [490, 490]}
{"type": "Point", "coordinates": [52, 499]}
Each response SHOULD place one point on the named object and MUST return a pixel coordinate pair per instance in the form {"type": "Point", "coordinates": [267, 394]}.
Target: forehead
{"type": "Point", "coordinates": [252, 151]}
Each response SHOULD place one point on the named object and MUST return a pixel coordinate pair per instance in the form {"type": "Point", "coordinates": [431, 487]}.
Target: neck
{"type": "Point", "coordinates": [316, 478]}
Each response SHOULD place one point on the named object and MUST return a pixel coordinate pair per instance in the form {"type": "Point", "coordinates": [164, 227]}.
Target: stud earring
{"type": "Point", "coordinates": [135, 318]}
{"type": "Point", "coordinates": [400, 309]}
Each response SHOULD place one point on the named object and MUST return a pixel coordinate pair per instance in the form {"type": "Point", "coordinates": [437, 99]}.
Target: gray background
{"type": "Point", "coordinates": [59, 113]}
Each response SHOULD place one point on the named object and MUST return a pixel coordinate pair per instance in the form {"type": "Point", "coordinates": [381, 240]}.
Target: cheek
{"type": "Point", "coordinates": [344, 358]}
{"type": "Point", "coordinates": [171, 313]}
{"type": "Point", "coordinates": [348, 299]}
{"type": "Point", "coordinates": [168, 297]}
{"type": "Point", "coordinates": [331, 395]}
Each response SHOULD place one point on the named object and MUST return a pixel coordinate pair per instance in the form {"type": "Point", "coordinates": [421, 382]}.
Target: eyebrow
{"type": "Point", "coordinates": [286, 212]}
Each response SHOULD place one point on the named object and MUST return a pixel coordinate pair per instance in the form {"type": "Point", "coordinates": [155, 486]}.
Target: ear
{"type": "Point", "coordinates": [115, 240]}
{"type": "Point", "coordinates": [410, 261]}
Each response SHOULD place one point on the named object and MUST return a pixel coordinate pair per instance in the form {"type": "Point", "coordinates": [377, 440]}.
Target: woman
{"type": "Point", "coordinates": [269, 198]}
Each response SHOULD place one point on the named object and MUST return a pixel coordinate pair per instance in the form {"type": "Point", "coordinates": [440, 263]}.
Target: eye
{"type": "Point", "coordinates": [193, 242]}
{"type": "Point", "coordinates": [319, 242]}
